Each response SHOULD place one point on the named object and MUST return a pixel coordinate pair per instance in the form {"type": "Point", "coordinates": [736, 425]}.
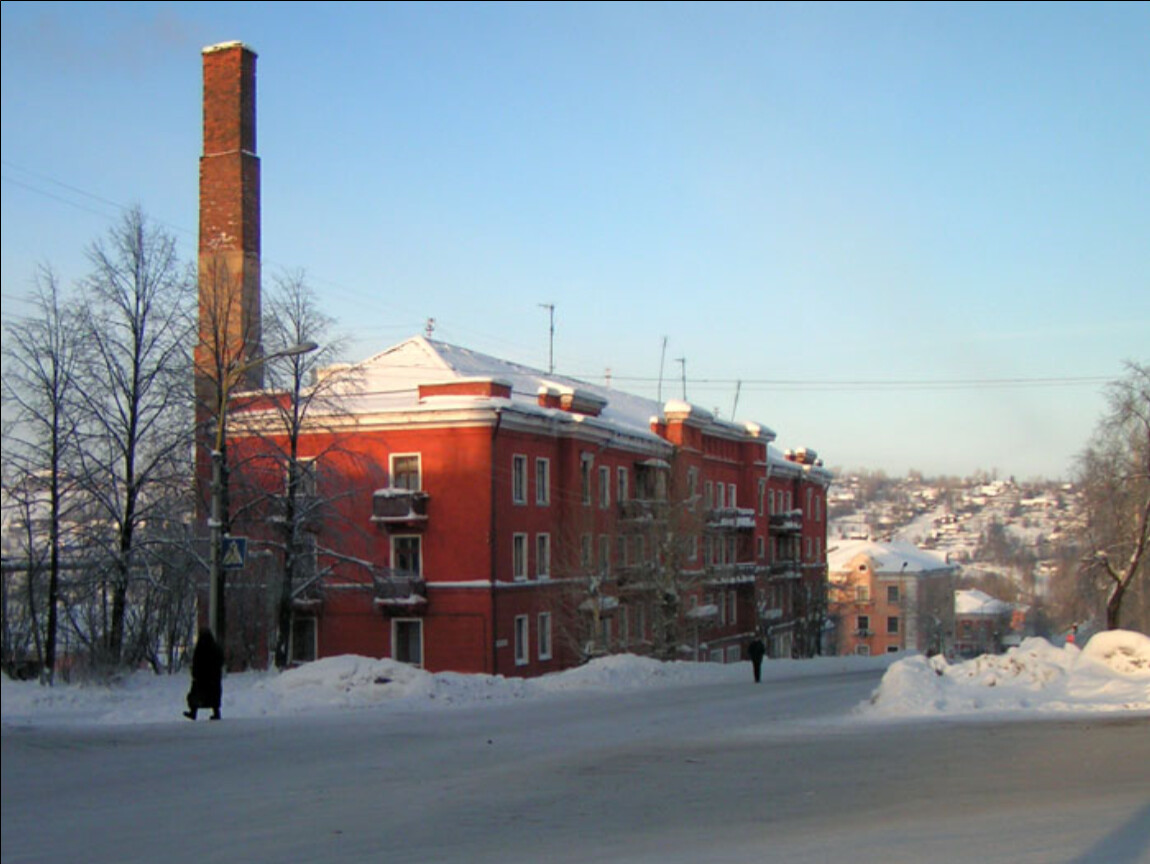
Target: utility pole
{"type": "Point", "coordinates": [550, 307]}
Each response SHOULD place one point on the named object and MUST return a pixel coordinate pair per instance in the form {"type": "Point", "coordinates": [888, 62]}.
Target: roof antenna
{"type": "Point", "coordinates": [662, 362]}
{"type": "Point", "coordinates": [430, 327]}
{"type": "Point", "coordinates": [550, 307]}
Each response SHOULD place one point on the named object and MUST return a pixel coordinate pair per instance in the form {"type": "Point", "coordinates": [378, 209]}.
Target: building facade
{"type": "Point", "coordinates": [889, 597]}
{"type": "Point", "coordinates": [475, 515]}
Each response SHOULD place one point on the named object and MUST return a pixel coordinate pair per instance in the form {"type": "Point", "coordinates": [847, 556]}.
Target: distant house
{"type": "Point", "coordinates": [884, 598]}
{"type": "Point", "coordinates": [984, 624]}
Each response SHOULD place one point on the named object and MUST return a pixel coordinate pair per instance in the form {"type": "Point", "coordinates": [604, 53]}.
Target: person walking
{"type": "Point", "coordinates": [756, 651]}
{"type": "Point", "coordinates": [207, 676]}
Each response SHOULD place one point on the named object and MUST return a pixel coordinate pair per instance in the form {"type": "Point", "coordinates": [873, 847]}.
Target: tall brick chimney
{"type": "Point", "coordinates": [229, 253]}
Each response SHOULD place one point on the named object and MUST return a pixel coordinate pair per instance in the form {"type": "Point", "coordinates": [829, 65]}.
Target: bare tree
{"type": "Point", "coordinates": [1114, 472]}
{"type": "Point", "coordinates": [294, 319]}
{"type": "Point", "coordinates": [41, 384]}
{"type": "Point", "coordinates": [137, 399]}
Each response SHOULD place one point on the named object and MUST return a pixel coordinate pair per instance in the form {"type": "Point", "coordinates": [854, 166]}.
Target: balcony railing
{"type": "Point", "coordinates": [790, 522]}
{"type": "Point", "coordinates": [731, 519]}
{"type": "Point", "coordinates": [399, 591]}
{"type": "Point", "coordinates": [643, 509]}
{"type": "Point", "coordinates": [787, 569]}
{"type": "Point", "coordinates": [405, 507]}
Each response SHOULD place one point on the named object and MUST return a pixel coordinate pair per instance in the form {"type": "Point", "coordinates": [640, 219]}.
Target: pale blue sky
{"type": "Point", "coordinates": [867, 199]}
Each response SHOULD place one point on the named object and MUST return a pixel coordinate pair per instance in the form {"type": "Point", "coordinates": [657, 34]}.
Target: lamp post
{"type": "Point", "coordinates": [218, 521]}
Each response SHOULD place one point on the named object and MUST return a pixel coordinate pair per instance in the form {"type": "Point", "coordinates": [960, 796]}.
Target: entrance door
{"type": "Point", "coordinates": [407, 641]}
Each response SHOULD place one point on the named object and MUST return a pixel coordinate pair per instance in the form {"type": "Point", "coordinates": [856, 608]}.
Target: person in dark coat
{"type": "Point", "coordinates": [757, 650]}
{"type": "Point", "coordinates": [207, 676]}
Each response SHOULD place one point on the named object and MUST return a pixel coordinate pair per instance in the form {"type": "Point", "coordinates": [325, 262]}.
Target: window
{"type": "Point", "coordinates": [542, 482]}
{"type": "Point", "coordinates": [544, 627]}
{"type": "Point", "coordinates": [892, 594]}
{"type": "Point", "coordinates": [621, 551]}
{"type": "Point", "coordinates": [585, 553]}
{"type": "Point", "coordinates": [692, 482]}
{"type": "Point", "coordinates": [542, 556]}
{"type": "Point", "coordinates": [892, 624]}
{"type": "Point", "coordinates": [720, 497]}
{"type": "Point", "coordinates": [604, 487]}
{"type": "Point", "coordinates": [604, 555]}
{"type": "Point", "coordinates": [641, 623]}
{"type": "Point", "coordinates": [305, 471]}
{"type": "Point", "coordinates": [303, 634]}
{"type": "Point", "coordinates": [585, 477]}
{"type": "Point", "coordinates": [761, 547]}
{"type": "Point", "coordinates": [762, 496]}
{"type": "Point", "coordinates": [519, 479]}
{"type": "Point", "coordinates": [733, 613]}
{"type": "Point", "coordinates": [405, 554]}
{"type": "Point", "coordinates": [521, 637]}
{"type": "Point", "coordinates": [732, 495]}
{"type": "Point", "coordinates": [621, 492]}
{"type": "Point", "coordinates": [862, 593]}
{"type": "Point", "coordinates": [406, 471]}
{"type": "Point", "coordinates": [862, 650]}
{"type": "Point", "coordinates": [864, 624]}
{"type": "Point", "coordinates": [708, 495]}
{"type": "Point", "coordinates": [693, 548]}
{"type": "Point", "coordinates": [771, 501]}
{"type": "Point", "coordinates": [407, 641]}
{"type": "Point", "coordinates": [519, 557]}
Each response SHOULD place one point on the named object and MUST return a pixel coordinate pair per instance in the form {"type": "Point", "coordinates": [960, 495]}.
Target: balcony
{"type": "Point", "coordinates": [732, 574]}
{"type": "Point", "coordinates": [787, 569]}
{"type": "Point", "coordinates": [398, 592]}
{"type": "Point", "coordinates": [404, 508]}
{"type": "Point", "coordinates": [643, 510]}
{"type": "Point", "coordinates": [790, 522]}
{"type": "Point", "coordinates": [731, 519]}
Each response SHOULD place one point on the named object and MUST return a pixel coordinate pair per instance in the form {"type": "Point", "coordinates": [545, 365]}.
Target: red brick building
{"type": "Point", "coordinates": [466, 513]}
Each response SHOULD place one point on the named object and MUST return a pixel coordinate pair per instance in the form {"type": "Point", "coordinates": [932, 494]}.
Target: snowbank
{"type": "Point", "coordinates": [351, 683]}
{"type": "Point", "coordinates": [1112, 673]}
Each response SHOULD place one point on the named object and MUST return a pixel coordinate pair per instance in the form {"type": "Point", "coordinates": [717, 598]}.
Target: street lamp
{"type": "Point", "coordinates": [217, 619]}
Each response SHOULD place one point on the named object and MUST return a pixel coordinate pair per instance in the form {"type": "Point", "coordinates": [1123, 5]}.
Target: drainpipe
{"type": "Point", "coordinates": [492, 544]}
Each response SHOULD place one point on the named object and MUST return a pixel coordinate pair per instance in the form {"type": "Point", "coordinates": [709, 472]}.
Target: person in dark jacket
{"type": "Point", "coordinates": [756, 651]}
{"type": "Point", "coordinates": [207, 676]}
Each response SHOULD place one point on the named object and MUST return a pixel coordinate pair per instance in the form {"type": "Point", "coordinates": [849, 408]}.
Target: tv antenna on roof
{"type": "Point", "coordinates": [550, 307]}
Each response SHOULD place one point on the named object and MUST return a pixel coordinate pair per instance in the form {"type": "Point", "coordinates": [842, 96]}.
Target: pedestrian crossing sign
{"type": "Point", "coordinates": [234, 553]}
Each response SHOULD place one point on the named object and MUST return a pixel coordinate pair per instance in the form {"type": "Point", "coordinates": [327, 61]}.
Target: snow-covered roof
{"type": "Point", "coordinates": [974, 602]}
{"type": "Point", "coordinates": [390, 381]}
{"type": "Point", "coordinates": [886, 558]}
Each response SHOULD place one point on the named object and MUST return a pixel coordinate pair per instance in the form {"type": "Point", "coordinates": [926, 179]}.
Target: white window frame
{"type": "Point", "coordinates": [395, 538]}
{"type": "Point", "coordinates": [543, 557]}
{"type": "Point", "coordinates": [519, 479]}
{"type": "Point", "coordinates": [522, 640]}
{"type": "Point", "coordinates": [391, 474]}
{"type": "Point", "coordinates": [519, 557]}
{"type": "Point", "coordinates": [542, 481]}
{"type": "Point", "coordinates": [543, 637]}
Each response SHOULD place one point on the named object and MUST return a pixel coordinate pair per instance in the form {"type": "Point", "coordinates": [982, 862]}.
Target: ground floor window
{"type": "Point", "coordinates": [521, 640]}
{"type": "Point", "coordinates": [303, 640]}
{"type": "Point", "coordinates": [407, 641]}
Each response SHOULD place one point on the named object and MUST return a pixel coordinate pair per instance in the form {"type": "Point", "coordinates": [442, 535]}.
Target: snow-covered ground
{"type": "Point", "coordinates": [625, 759]}
{"type": "Point", "coordinates": [1111, 673]}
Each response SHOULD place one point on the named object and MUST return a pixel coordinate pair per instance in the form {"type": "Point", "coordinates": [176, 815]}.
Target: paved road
{"type": "Point", "coordinates": [715, 773]}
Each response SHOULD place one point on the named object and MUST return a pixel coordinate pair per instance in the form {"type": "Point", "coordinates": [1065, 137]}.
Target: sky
{"type": "Point", "coordinates": [908, 236]}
